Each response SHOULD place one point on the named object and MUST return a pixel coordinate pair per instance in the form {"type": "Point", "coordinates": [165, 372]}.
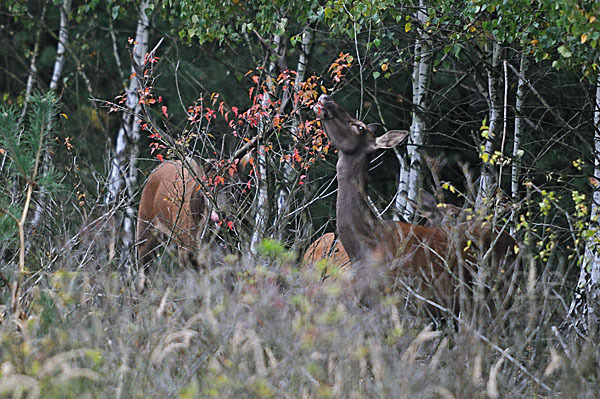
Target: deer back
{"type": "Point", "coordinates": [172, 201]}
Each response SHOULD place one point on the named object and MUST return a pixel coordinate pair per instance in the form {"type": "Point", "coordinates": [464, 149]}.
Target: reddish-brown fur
{"type": "Point", "coordinates": [172, 208]}
{"type": "Point", "coordinates": [439, 261]}
{"type": "Point", "coordinates": [328, 248]}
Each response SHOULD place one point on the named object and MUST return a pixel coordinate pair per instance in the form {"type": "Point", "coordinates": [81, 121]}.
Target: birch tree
{"type": "Point", "coordinates": [410, 176]}
{"type": "Point", "coordinates": [59, 62]}
{"type": "Point", "coordinates": [589, 276]}
{"type": "Point", "coordinates": [494, 99]}
{"type": "Point", "coordinates": [123, 174]}
{"type": "Point", "coordinates": [517, 151]}
{"type": "Point", "coordinates": [289, 173]}
{"type": "Point", "coordinates": [262, 196]}
{"type": "Point", "coordinates": [576, 31]}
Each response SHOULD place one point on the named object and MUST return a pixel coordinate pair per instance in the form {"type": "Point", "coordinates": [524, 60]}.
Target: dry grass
{"type": "Point", "coordinates": [243, 328]}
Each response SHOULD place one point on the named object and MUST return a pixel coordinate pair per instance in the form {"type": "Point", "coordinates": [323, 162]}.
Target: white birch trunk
{"type": "Point", "coordinates": [402, 190]}
{"type": "Point", "coordinates": [410, 172]}
{"type": "Point", "coordinates": [517, 152]}
{"type": "Point", "coordinates": [123, 171]}
{"type": "Point", "coordinates": [289, 174]}
{"type": "Point", "coordinates": [519, 101]}
{"type": "Point", "coordinates": [63, 36]}
{"type": "Point", "coordinates": [59, 62]}
{"type": "Point", "coordinates": [486, 182]}
{"type": "Point", "coordinates": [263, 190]}
{"type": "Point", "coordinates": [589, 277]}
{"type": "Point", "coordinates": [32, 71]}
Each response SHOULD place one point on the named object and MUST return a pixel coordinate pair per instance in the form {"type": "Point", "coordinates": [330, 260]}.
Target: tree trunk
{"type": "Point", "coordinates": [487, 175]}
{"type": "Point", "coordinates": [59, 62]}
{"type": "Point", "coordinates": [410, 166]}
{"type": "Point", "coordinates": [262, 200]}
{"type": "Point", "coordinates": [32, 70]}
{"type": "Point", "coordinates": [289, 173]}
{"type": "Point", "coordinates": [63, 36]}
{"type": "Point", "coordinates": [516, 153]}
{"type": "Point", "coordinates": [123, 169]}
{"type": "Point", "coordinates": [585, 303]}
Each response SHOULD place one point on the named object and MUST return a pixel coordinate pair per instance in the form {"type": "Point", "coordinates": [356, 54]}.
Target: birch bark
{"type": "Point", "coordinates": [516, 153]}
{"type": "Point", "coordinates": [262, 200]}
{"type": "Point", "coordinates": [289, 174]}
{"type": "Point", "coordinates": [410, 176]}
{"type": "Point", "coordinates": [123, 171]}
{"type": "Point", "coordinates": [59, 62]}
{"type": "Point", "coordinates": [487, 173]}
{"type": "Point", "coordinates": [586, 305]}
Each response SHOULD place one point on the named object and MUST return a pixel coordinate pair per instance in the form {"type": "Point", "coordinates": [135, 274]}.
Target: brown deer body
{"type": "Point", "coordinates": [433, 257]}
{"type": "Point", "coordinates": [328, 247]}
{"type": "Point", "coordinates": [173, 208]}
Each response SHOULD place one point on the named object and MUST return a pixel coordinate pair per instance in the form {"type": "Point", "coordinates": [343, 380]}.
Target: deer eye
{"type": "Point", "coordinates": [361, 129]}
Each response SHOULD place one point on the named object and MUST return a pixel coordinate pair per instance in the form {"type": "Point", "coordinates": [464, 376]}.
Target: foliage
{"type": "Point", "coordinates": [24, 148]}
{"type": "Point", "coordinates": [21, 143]}
{"type": "Point", "coordinates": [269, 327]}
{"type": "Point", "coordinates": [230, 20]}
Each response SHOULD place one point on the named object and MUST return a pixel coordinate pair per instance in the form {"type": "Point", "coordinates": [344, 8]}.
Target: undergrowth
{"type": "Point", "coordinates": [270, 328]}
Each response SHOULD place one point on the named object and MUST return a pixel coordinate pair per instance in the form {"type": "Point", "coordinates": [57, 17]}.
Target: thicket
{"type": "Point", "coordinates": [263, 324]}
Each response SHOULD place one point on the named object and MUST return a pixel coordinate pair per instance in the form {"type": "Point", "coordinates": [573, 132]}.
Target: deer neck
{"type": "Point", "coordinates": [357, 225]}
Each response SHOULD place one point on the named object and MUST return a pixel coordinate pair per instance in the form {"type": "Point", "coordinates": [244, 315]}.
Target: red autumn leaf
{"type": "Point", "coordinates": [160, 157]}
{"type": "Point", "coordinates": [164, 110]}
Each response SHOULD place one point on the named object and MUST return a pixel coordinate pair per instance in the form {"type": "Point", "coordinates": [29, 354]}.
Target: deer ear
{"type": "Point", "coordinates": [427, 200]}
{"type": "Point", "coordinates": [391, 139]}
{"type": "Point", "coordinates": [373, 127]}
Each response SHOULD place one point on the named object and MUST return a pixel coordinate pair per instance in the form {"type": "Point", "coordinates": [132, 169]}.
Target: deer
{"type": "Point", "coordinates": [435, 214]}
{"type": "Point", "coordinates": [174, 207]}
{"type": "Point", "coordinates": [328, 247]}
{"type": "Point", "coordinates": [439, 260]}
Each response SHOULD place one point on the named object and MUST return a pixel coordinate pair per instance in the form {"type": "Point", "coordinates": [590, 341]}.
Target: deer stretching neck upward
{"type": "Point", "coordinates": [436, 255]}
{"type": "Point", "coordinates": [360, 231]}
{"type": "Point", "coordinates": [351, 205]}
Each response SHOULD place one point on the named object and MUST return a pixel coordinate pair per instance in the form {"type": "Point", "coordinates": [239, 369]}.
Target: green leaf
{"type": "Point", "coordinates": [115, 12]}
{"type": "Point", "coordinates": [407, 27]}
{"type": "Point", "coordinates": [564, 51]}
{"type": "Point", "coordinates": [376, 74]}
{"type": "Point", "coordinates": [149, 10]}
